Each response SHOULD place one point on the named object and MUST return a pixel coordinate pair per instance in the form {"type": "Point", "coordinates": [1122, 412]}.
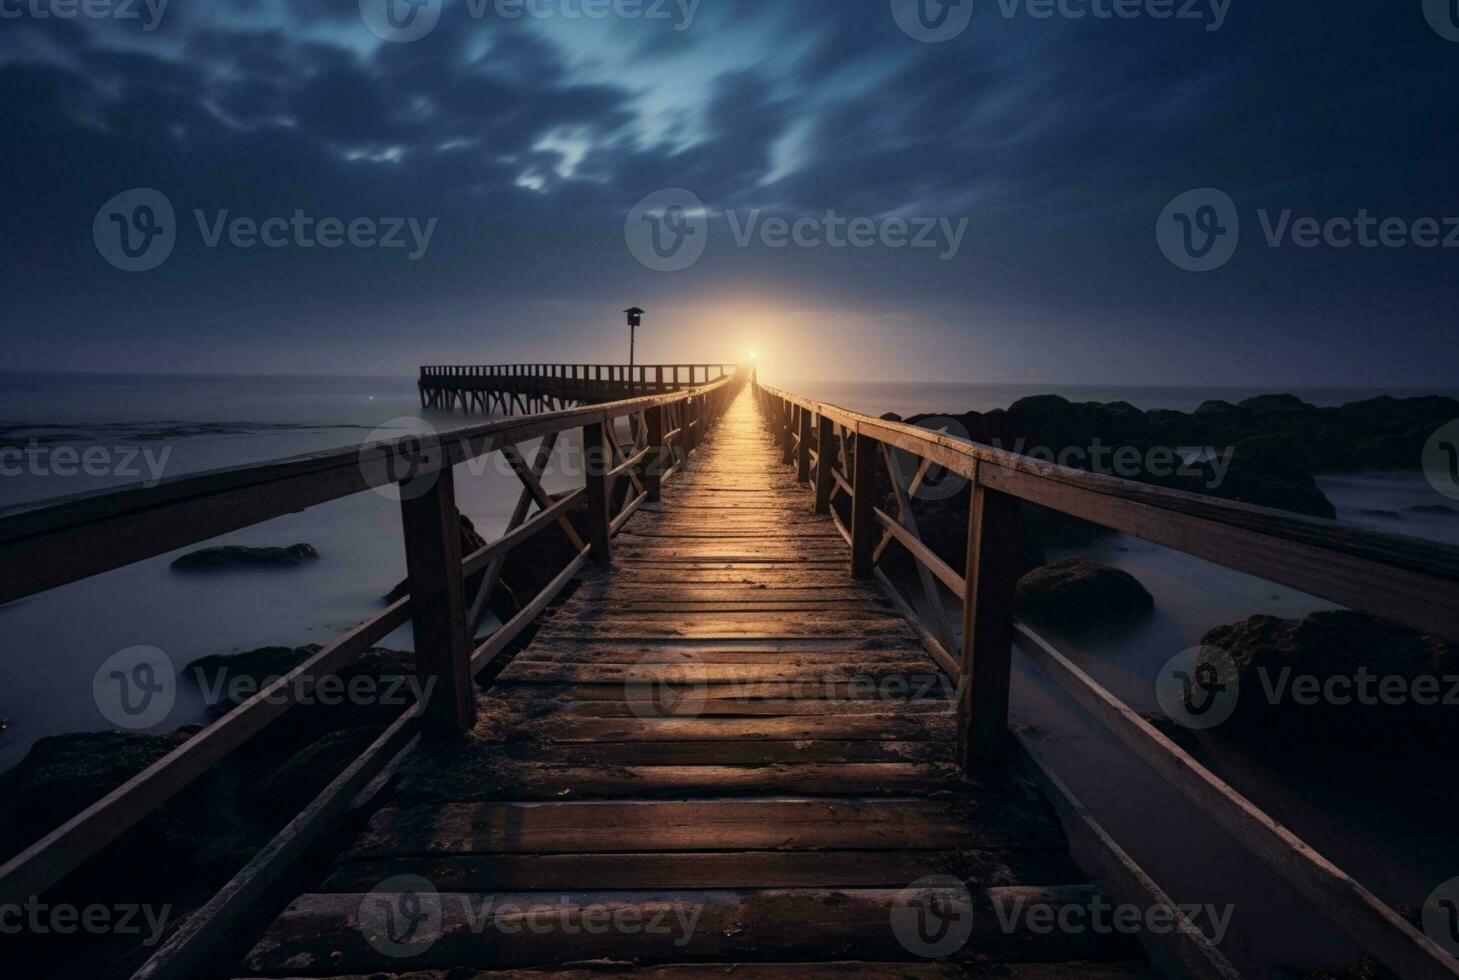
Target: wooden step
{"type": "Point", "coordinates": [705, 825]}
{"type": "Point", "coordinates": [359, 932]}
{"type": "Point", "coordinates": [467, 776]}
{"type": "Point", "coordinates": [709, 869]}
{"type": "Point", "coordinates": [789, 971]}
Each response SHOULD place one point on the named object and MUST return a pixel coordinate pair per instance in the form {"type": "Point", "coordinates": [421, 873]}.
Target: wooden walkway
{"type": "Point", "coordinates": [724, 750]}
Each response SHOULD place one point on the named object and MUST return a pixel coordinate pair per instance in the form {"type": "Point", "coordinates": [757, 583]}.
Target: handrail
{"type": "Point", "coordinates": [1403, 579]}
{"type": "Point", "coordinates": [119, 527]}
{"type": "Point", "coordinates": [51, 543]}
{"type": "Point", "coordinates": [1408, 580]}
{"type": "Point", "coordinates": [434, 375]}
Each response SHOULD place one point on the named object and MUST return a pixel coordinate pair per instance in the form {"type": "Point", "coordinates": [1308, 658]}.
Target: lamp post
{"type": "Point", "coordinates": [635, 318]}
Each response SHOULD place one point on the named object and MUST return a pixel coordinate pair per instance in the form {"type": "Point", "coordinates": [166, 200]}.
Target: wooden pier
{"type": "Point", "coordinates": [520, 389]}
{"type": "Point", "coordinates": [730, 723]}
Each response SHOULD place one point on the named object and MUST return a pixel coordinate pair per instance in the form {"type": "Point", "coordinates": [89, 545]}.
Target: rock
{"type": "Point", "coordinates": [1279, 441]}
{"type": "Point", "coordinates": [1214, 406]}
{"type": "Point", "coordinates": [227, 680]}
{"type": "Point", "coordinates": [1274, 403]}
{"type": "Point", "coordinates": [61, 775]}
{"type": "Point", "coordinates": [1441, 509]}
{"type": "Point", "coordinates": [238, 556]}
{"type": "Point", "coordinates": [1251, 483]}
{"type": "Point", "coordinates": [1075, 593]}
{"type": "Point", "coordinates": [1269, 653]}
{"type": "Point", "coordinates": [1388, 514]}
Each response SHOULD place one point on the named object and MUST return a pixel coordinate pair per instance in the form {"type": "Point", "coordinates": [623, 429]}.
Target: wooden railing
{"type": "Point", "coordinates": [647, 376]}
{"type": "Point", "coordinates": [839, 452]}
{"type": "Point", "coordinates": [46, 546]}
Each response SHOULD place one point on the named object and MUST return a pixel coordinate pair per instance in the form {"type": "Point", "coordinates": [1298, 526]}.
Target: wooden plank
{"type": "Point", "coordinates": [891, 726]}
{"type": "Point", "coordinates": [997, 821]}
{"type": "Point", "coordinates": [800, 971]}
{"type": "Point", "coordinates": [505, 780]}
{"type": "Point", "coordinates": [328, 931]}
{"type": "Point", "coordinates": [709, 869]}
{"type": "Point", "coordinates": [695, 674]}
{"type": "Point", "coordinates": [730, 708]}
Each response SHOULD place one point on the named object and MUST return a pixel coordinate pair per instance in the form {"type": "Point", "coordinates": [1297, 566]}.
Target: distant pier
{"type": "Point", "coordinates": [521, 389]}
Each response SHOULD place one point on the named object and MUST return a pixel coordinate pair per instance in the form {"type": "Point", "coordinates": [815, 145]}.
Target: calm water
{"type": "Point", "coordinates": [53, 643]}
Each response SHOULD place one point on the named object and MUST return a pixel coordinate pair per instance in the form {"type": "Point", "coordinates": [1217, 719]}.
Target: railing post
{"type": "Point", "coordinates": [438, 607]}
{"type": "Point", "coordinates": [689, 438]}
{"type": "Point", "coordinates": [787, 431]}
{"type": "Point", "coordinates": [803, 455]}
{"type": "Point", "coordinates": [992, 578]}
{"type": "Point", "coordinates": [595, 468]}
{"type": "Point", "coordinates": [863, 505]}
{"type": "Point", "coordinates": [826, 448]}
{"type": "Point", "coordinates": [653, 471]}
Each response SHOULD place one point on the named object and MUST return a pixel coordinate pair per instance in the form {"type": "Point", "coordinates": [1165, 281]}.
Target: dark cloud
{"type": "Point", "coordinates": [1060, 141]}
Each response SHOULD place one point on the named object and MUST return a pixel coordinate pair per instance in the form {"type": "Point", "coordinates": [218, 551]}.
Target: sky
{"type": "Point", "coordinates": [1013, 170]}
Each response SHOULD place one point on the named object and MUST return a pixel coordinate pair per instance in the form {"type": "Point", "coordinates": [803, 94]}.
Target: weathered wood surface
{"type": "Point", "coordinates": [721, 722]}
